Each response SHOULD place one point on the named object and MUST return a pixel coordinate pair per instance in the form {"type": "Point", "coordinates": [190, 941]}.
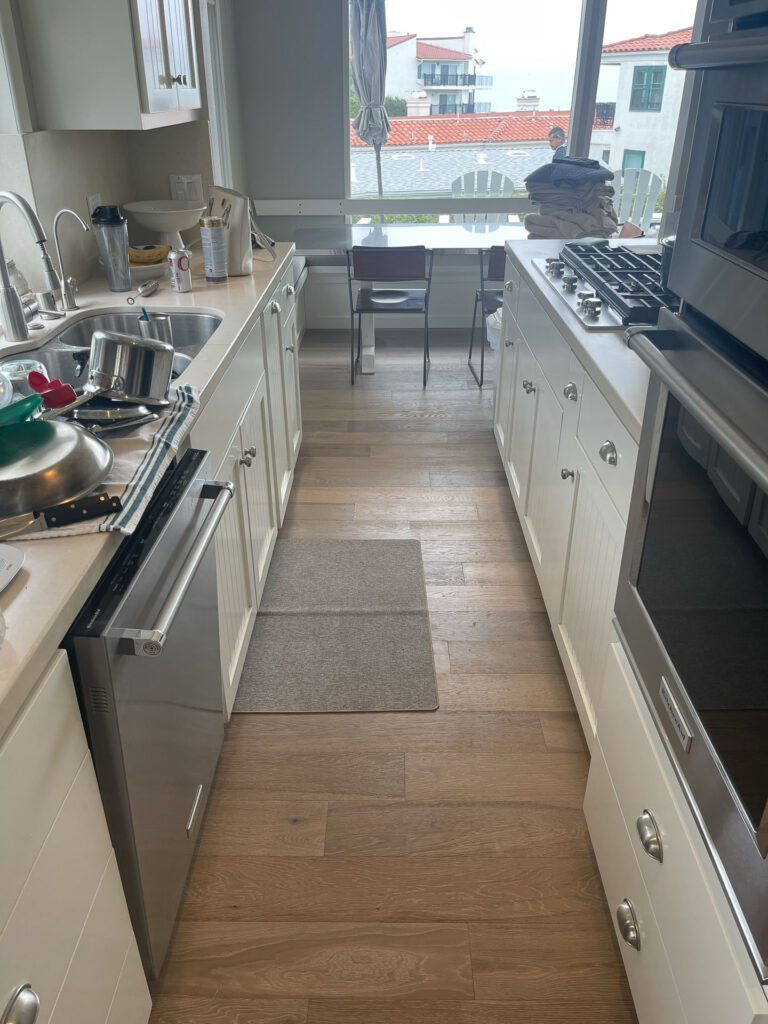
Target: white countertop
{"type": "Point", "coordinates": [58, 574]}
{"type": "Point", "coordinates": [618, 372]}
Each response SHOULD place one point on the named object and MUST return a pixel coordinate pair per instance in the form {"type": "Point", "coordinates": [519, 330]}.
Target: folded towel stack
{"type": "Point", "coordinates": [574, 200]}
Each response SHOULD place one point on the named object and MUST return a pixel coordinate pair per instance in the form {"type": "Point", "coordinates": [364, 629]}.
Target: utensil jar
{"type": "Point", "coordinates": [213, 234]}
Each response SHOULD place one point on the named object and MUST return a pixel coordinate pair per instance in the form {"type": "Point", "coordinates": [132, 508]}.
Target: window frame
{"type": "Point", "coordinates": [647, 88]}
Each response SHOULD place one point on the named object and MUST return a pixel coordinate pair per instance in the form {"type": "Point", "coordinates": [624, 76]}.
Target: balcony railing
{"type": "Point", "coordinates": [604, 115]}
{"type": "Point", "coordinates": [461, 108]}
{"type": "Point", "coordinates": [476, 81]}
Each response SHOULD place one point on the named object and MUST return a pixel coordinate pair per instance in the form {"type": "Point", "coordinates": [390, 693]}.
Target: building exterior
{"type": "Point", "coordinates": [443, 68]}
{"type": "Point", "coordinates": [641, 131]}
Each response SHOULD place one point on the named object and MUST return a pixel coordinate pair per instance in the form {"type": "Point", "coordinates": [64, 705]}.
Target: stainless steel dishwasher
{"type": "Point", "coordinates": [145, 651]}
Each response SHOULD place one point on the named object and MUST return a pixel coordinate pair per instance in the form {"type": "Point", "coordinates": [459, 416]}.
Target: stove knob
{"type": "Point", "coordinates": [556, 268]}
{"type": "Point", "coordinates": [581, 296]}
{"type": "Point", "coordinates": [592, 308]}
{"type": "Point", "coordinates": [569, 282]}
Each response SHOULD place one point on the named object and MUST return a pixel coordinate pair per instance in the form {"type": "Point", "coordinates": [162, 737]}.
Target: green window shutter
{"type": "Point", "coordinates": [647, 88]}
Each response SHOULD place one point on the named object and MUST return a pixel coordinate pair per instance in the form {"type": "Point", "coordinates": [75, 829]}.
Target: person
{"type": "Point", "coordinates": [556, 140]}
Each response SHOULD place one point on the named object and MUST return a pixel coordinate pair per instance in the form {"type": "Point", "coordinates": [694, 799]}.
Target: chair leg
{"type": "Point", "coordinates": [352, 347]}
{"type": "Point", "coordinates": [426, 351]}
{"type": "Point", "coordinates": [478, 380]}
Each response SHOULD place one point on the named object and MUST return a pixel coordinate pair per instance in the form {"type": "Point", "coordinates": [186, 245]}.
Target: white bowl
{"type": "Point", "coordinates": [167, 217]}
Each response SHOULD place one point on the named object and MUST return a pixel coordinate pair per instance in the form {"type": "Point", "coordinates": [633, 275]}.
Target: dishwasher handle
{"type": "Point", "coordinates": [150, 642]}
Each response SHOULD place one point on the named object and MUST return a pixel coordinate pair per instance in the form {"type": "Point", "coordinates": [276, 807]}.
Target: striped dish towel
{"type": "Point", "coordinates": [140, 461]}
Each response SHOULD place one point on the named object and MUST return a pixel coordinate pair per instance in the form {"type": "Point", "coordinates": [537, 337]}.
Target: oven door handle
{"type": "Point", "coordinates": [150, 642]}
{"type": "Point", "coordinates": [751, 459]}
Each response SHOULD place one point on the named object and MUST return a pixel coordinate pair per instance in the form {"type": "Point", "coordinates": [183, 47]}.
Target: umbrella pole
{"type": "Point", "coordinates": [377, 149]}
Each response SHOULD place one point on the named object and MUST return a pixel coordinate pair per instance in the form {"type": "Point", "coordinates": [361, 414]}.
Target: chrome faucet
{"type": "Point", "coordinates": [67, 283]}
{"type": "Point", "coordinates": [12, 318]}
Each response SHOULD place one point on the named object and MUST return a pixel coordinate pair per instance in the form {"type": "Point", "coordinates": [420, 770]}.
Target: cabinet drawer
{"type": "Point", "coordinates": [710, 964]}
{"type": "Point", "coordinates": [39, 759]}
{"type": "Point", "coordinates": [648, 970]}
{"type": "Point", "coordinates": [46, 922]}
{"type": "Point", "coordinates": [547, 344]}
{"type": "Point", "coordinates": [599, 430]}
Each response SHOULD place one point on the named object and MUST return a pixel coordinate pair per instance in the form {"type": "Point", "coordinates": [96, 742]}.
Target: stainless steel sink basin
{"type": "Point", "coordinates": [66, 354]}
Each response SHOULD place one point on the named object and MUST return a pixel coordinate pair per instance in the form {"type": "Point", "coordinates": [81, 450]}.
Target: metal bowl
{"type": "Point", "coordinates": [44, 463]}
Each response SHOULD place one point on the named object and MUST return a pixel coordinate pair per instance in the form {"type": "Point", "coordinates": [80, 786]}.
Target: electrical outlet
{"type": "Point", "coordinates": [93, 201]}
{"type": "Point", "coordinates": [187, 187]}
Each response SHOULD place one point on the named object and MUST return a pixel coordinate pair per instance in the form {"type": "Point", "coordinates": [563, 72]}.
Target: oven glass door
{"type": "Point", "coordinates": [703, 579]}
{"type": "Point", "coordinates": [736, 215]}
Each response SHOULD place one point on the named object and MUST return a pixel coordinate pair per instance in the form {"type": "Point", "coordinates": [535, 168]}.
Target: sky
{"type": "Point", "coordinates": [532, 45]}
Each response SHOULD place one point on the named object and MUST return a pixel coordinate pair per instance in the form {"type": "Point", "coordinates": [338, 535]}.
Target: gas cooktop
{"type": "Point", "coordinates": [609, 286]}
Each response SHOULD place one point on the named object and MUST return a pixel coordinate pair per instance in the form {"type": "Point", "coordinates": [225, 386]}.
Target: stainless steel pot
{"type": "Point", "coordinates": [131, 368]}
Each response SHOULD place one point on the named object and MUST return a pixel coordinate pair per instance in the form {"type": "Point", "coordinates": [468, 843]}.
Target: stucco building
{"type": "Point", "coordinates": [443, 70]}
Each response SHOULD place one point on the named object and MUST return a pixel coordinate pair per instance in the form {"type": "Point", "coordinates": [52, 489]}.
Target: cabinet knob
{"type": "Point", "coordinates": [650, 836]}
{"type": "Point", "coordinates": [252, 451]}
{"type": "Point", "coordinates": [571, 392]}
{"type": "Point", "coordinates": [275, 307]}
{"type": "Point", "coordinates": [246, 460]}
{"type": "Point", "coordinates": [22, 1007]}
{"type": "Point", "coordinates": [509, 344]}
{"type": "Point", "coordinates": [177, 79]}
{"type": "Point", "coordinates": [529, 387]}
{"type": "Point", "coordinates": [628, 926]}
{"type": "Point", "coordinates": [183, 79]}
{"type": "Point", "coordinates": [607, 452]}
{"type": "Point", "coordinates": [509, 286]}
{"type": "Point", "coordinates": [290, 290]}
{"type": "Point", "coordinates": [290, 348]}
{"type": "Point", "coordinates": [567, 474]}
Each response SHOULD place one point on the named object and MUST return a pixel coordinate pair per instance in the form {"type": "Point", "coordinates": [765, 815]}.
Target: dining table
{"type": "Point", "coordinates": [466, 239]}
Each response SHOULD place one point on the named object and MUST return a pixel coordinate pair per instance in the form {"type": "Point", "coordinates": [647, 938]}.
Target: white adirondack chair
{"type": "Point", "coordinates": [636, 195]}
{"type": "Point", "coordinates": [481, 185]}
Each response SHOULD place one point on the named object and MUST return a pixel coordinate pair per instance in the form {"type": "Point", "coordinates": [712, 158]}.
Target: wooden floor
{"type": "Point", "coordinates": [409, 868]}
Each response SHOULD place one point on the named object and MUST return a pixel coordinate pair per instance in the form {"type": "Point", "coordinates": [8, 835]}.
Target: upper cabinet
{"type": "Point", "coordinates": [112, 64]}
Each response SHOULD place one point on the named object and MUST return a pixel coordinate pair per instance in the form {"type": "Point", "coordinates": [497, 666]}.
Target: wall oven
{"type": "Point", "coordinates": [692, 600]}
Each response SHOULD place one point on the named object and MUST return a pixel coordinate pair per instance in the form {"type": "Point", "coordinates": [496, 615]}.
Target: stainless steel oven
{"type": "Point", "coordinates": [692, 600]}
{"type": "Point", "coordinates": [720, 262]}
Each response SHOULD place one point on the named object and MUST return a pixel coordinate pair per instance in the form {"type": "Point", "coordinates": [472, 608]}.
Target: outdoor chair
{"type": "Point", "coordinates": [636, 195]}
{"type": "Point", "coordinates": [492, 264]}
{"type": "Point", "coordinates": [404, 264]}
{"type": "Point", "coordinates": [481, 185]}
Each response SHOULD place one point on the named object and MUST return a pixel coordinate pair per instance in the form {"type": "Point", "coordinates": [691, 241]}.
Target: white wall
{"type": "Point", "coordinates": [402, 67]}
{"type": "Point", "coordinates": [650, 131]}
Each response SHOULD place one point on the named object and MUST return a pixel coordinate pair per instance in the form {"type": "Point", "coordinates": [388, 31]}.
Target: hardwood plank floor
{"type": "Point", "coordinates": [408, 868]}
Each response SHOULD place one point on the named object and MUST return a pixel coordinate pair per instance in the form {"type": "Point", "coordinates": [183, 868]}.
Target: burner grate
{"type": "Point", "coordinates": [627, 280]}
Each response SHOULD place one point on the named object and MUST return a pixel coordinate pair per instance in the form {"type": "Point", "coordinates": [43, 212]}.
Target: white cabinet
{"type": "Point", "coordinates": [502, 408]}
{"type": "Point", "coordinates": [64, 926]}
{"type": "Point", "coordinates": [584, 627]}
{"type": "Point", "coordinates": [520, 441]}
{"type": "Point", "coordinates": [112, 64]}
{"type": "Point", "coordinates": [256, 465]}
{"type": "Point", "coordinates": [289, 354]}
{"type": "Point", "coordinates": [281, 443]}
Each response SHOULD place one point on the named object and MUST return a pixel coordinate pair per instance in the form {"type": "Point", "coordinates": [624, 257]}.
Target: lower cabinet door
{"type": "Point", "coordinates": [654, 992]}
{"type": "Point", "coordinates": [520, 441]}
{"type": "Point", "coordinates": [281, 452]}
{"type": "Point", "coordinates": [289, 353]}
{"type": "Point", "coordinates": [591, 576]}
{"type": "Point", "coordinates": [234, 575]}
{"type": "Point", "coordinates": [259, 490]}
{"type": "Point", "coordinates": [502, 410]}
{"type": "Point", "coordinates": [550, 499]}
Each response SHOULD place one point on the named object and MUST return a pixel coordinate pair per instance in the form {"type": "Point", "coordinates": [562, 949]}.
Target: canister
{"type": "Point", "coordinates": [213, 234]}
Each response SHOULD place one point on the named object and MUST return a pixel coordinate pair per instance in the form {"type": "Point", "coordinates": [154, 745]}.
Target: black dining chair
{"type": "Point", "coordinates": [367, 265]}
{"type": "Point", "coordinates": [492, 264]}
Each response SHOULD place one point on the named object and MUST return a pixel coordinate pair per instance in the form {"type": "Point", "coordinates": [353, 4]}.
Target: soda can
{"type": "Point", "coordinates": [181, 275]}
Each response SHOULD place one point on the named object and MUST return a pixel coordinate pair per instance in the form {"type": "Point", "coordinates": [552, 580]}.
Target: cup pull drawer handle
{"type": "Point", "coordinates": [628, 926]}
{"type": "Point", "coordinates": [607, 452]}
{"type": "Point", "coordinates": [650, 836]}
{"type": "Point", "coordinates": [23, 1006]}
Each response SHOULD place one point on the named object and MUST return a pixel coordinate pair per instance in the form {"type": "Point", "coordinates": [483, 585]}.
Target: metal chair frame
{"type": "Point", "coordinates": [380, 268]}
{"type": "Point", "coordinates": [489, 302]}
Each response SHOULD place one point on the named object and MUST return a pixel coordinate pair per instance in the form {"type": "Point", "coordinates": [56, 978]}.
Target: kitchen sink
{"type": "Point", "coordinates": [66, 354]}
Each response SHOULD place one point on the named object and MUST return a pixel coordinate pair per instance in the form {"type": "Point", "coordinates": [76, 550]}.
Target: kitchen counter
{"type": "Point", "coordinates": [58, 574]}
{"type": "Point", "coordinates": [618, 372]}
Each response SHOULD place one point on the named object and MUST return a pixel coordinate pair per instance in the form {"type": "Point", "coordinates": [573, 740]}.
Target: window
{"type": "Point", "coordinates": [606, 157]}
{"type": "Point", "coordinates": [647, 88]}
{"type": "Point", "coordinates": [633, 159]}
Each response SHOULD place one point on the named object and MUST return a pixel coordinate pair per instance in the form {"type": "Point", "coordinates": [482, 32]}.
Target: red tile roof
{"type": "Point", "coordinates": [396, 40]}
{"type": "Point", "coordinates": [426, 51]}
{"type": "Point", "coordinates": [450, 129]}
{"type": "Point", "coordinates": [665, 41]}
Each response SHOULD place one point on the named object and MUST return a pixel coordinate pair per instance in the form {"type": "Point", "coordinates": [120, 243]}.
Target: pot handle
{"type": "Point", "coordinates": [89, 391]}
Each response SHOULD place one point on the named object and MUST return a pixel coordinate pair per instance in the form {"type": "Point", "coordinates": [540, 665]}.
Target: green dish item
{"type": "Point", "coordinates": [19, 411]}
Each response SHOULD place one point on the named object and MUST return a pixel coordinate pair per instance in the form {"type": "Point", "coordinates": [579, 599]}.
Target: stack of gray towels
{"type": "Point", "coordinates": [574, 198]}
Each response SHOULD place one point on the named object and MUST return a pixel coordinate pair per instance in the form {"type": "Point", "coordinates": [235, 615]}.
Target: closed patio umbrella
{"type": "Point", "coordinates": [368, 41]}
